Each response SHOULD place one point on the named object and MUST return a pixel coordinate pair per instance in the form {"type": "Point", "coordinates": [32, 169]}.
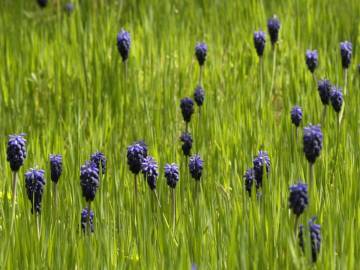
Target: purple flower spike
{"type": "Point", "coordinates": [135, 155]}
{"type": "Point", "coordinates": [273, 28]}
{"type": "Point", "coordinates": [16, 151]}
{"type": "Point", "coordinates": [199, 95]}
{"type": "Point", "coordinates": [172, 174]}
{"type": "Point", "coordinates": [296, 115]}
{"type": "Point", "coordinates": [259, 42]}
{"type": "Point", "coordinates": [312, 142]}
{"type": "Point", "coordinates": [187, 108]}
{"type": "Point", "coordinates": [312, 61]}
{"type": "Point", "coordinates": [336, 98]}
{"type": "Point", "coordinates": [34, 183]}
{"type": "Point", "coordinates": [262, 160]}
{"type": "Point", "coordinates": [123, 44]}
{"type": "Point", "coordinates": [315, 238]}
{"type": "Point", "coordinates": [150, 171]}
{"type": "Point", "coordinates": [196, 167]}
{"type": "Point", "coordinates": [298, 199]}
{"type": "Point", "coordinates": [201, 52]}
{"type": "Point", "coordinates": [249, 179]}
{"type": "Point", "coordinates": [345, 52]}
{"type": "Point", "coordinates": [55, 167]}
{"type": "Point", "coordinates": [100, 160]}
{"type": "Point", "coordinates": [84, 220]}
{"type": "Point", "coordinates": [324, 88]}
{"type": "Point", "coordinates": [89, 180]}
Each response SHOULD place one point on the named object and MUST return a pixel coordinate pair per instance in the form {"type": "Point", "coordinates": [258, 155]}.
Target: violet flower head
{"type": "Point", "coordinates": [201, 52]}
{"type": "Point", "coordinates": [135, 155]}
{"type": "Point", "coordinates": [336, 98]}
{"type": "Point", "coordinates": [187, 143]}
{"type": "Point", "coordinates": [315, 238]}
{"type": "Point", "coordinates": [312, 61]}
{"type": "Point", "coordinates": [273, 28]}
{"type": "Point", "coordinates": [86, 219]}
{"type": "Point", "coordinates": [150, 171]}
{"type": "Point", "coordinates": [312, 142]}
{"type": "Point", "coordinates": [100, 160]}
{"type": "Point", "coordinates": [260, 161]}
{"type": "Point", "coordinates": [172, 174]}
{"type": "Point", "coordinates": [55, 167]}
{"type": "Point", "coordinates": [199, 95]}
{"type": "Point", "coordinates": [324, 88]}
{"type": "Point", "coordinates": [69, 7]}
{"type": "Point", "coordinates": [42, 3]}
{"type": "Point", "coordinates": [123, 44]}
{"type": "Point", "coordinates": [298, 199]}
{"type": "Point", "coordinates": [296, 115]}
{"type": "Point", "coordinates": [249, 179]}
{"type": "Point", "coordinates": [259, 42]}
{"type": "Point", "coordinates": [196, 167]}
{"type": "Point", "coordinates": [34, 183]}
{"type": "Point", "coordinates": [345, 52]}
{"type": "Point", "coordinates": [89, 180]}
{"type": "Point", "coordinates": [187, 108]}
{"type": "Point", "coordinates": [16, 151]}
{"type": "Point", "coordinates": [301, 238]}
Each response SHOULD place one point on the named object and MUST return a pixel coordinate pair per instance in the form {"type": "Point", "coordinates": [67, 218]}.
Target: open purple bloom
{"type": "Point", "coordinates": [150, 171]}
{"type": "Point", "coordinates": [249, 179]}
{"type": "Point", "coordinates": [298, 199]}
{"type": "Point", "coordinates": [259, 42]}
{"type": "Point", "coordinates": [315, 238]}
{"type": "Point", "coordinates": [89, 180]}
{"type": "Point", "coordinates": [196, 167]}
{"type": "Point", "coordinates": [172, 174]}
{"type": "Point", "coordinates": [312, 61]}
{"type": "Point", "coordinates": [273, 28]}
{"type": "Point", "coordinates": [187, 143]}
{"type": "Point", "coordinates": [16, 151]}
{"type": "Point", "coordinates": [187, 108]}
{"type": "Point", "coordinates": [123, 44]}
{"type": "Point", "coordinates": [336, 98]}
{"type": "Point", "coordinates": [324, 88]}
{"type": "Point", "coordinates": [201, 52]}
{"type": "Point", "coordinates": [312, 142]}
{"type": "Point", "coordinates": [55, 167]}
{"type": "Point", "coordinates": [260, 161]}
{"type": "Point", "coordinates": [345, 52]}
{"type": "Point", "coordinates": [199, 95]}
{"type": "Point", "coordinates": [100, 160]}
{"type": "Point", "coordinates": [86, 219]}
{"type": "Point", "coordinates": [296, 115]}
{"type": "Point", "coordinates": [135, 155]}
{"type": "Point", "coordinates": [34, 183]}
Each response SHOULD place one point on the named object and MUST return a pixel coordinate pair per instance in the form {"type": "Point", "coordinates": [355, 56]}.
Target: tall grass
{"type": "Point", "coordinates": [62, 83]}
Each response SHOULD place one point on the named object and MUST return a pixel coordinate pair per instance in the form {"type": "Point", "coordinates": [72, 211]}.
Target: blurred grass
{"type": "Point", "coordinates": [62, 83]}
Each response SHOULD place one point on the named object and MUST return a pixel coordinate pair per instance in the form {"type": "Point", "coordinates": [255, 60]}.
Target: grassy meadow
{"type": "Point", "coordinates": [62, 82]}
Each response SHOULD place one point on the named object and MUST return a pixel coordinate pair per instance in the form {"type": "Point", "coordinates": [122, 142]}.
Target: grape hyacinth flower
{"type": "Point", "coordinates": [87, 218]}
{"type": "Point", "coordinates": [69, 7]}
{"type": "Point", "coordinates": [55, 167]}
{"type": "Point", "coordinates": [315, 238]}
{"type": "Point", "coordinates": [273, 25]}
{"type": "Point", "coordinates": [135, 155]}
{"type": "Point", "coordinates": [312, 145]}
{"type": "Point", "coordinates": [187, 109]}
{"type": "Point", "coordinates": [196, 167]}
{"type": "Point", "coordinates": [336, 98]}
{"type": "Point", "coordinates": [42, 3]}
{"type": "Point", "coordinates": [201, 52]}
{"type": "Point", "coordinates": [186, 139]}
{"type": "Point", "coordinates": [312, 61]}
{"type": "Point", "coordinates": [260, 161]}
{"type": "Point", "coordinates": [34, 183]}
{"type": "Point", "coordinates": [150, 171]}
{"type": "Point", "coordinates": [324, 88]}
{"type": "Point", "coordinates": [259, 42]}
{"type": "Point", "coordinates": [249, 179]}
{"type": "Point", "coordinates": [99, 159]}
{"type": "Point", "coordinates": [89, 181]}
{"type": "Point", "coordinates": [199, 95]}
{"type": "Point", "coordinates": [345, 52]}
{"type": "Point", "coordinates": [123, 44]}
{"type": "Point", "coordinates": [296, 115]}
{"type": "Point", "coordinates": [172, 177]}
{"type": "Point", "coordinates": [301, 238]}
{"type": "Point", "coordinates": [16, 154]}
{"type": "Point", "coordinates": [172, 174]}
{"type": "Point", "coordinates": [298, 199]}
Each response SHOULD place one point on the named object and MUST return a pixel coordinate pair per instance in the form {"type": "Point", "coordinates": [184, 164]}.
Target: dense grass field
{"type": "Point", "coordinates": [63, 83]}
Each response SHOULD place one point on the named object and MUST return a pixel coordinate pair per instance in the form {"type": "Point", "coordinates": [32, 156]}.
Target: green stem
{"type": "Point", "coordinates": [157, 198]}
{"type": "Point", "coordinates": [55, 195]}
{"type": "Point", "coordinates": [274, 68]}
{"type": "Point", "coordinates": [323, 116]}
{"type": "Point", "coordinates": [296, 225]}
{"type": "Point", "coordinates": [200, 75]}
{"type": "Point", "coordinates": [174, 207]}
{"type": "Point", "coordinates": [261, 87]}
{"type": "Point", "coordinates": [311, 174]}
{"type": "Point", "coordinates": [13, 201]}
{"type": "Point", "coordinates": [345, 81]}
{"type": "Point", "coordinates": [37, 224]}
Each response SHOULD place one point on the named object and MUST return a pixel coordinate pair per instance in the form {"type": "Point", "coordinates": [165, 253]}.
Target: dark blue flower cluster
{"type": "Point", "coordinates": [99, 159]}
{"type": "Point", "coordinates": [89, 180]}
{"type": "Point", "coordinates": [298, 199]}
{"type": "Point", "coordinates": [249, 179]}
{"type": "Point", "coordinates": [172, 174]}
{"type": "Point", "coordinates": [55, 167]}
{"type": "Point", "coordinates": [273, 25]}
{"type": "Point", "coordinates": [187, 108]}
{"type": "Point", "coordinates": [123, 44]}
{"type": "Point", "coordinates": [186, 139]}
{"type": "Point", "coordinates": [259, 42]}
{"type": "Point", "coordinates": [87, 219]}
{"type": "Point", "coordinates": [196, 167]}
{"type": "Point", "coordinates": [312, 142]}
{"type": "Point", "coordinates": [199, 95]}
{"type": "Point", "coordinates": [150, 171]}
{"type": "Point", "coordinates": [311, 58]}
{"type": "Point", "coordinates": [34, 183]}
{"type": "Point", "coordinates": [296, 115]}
{"type": "Point", "coordinates": [201, 52]}
{"type": "Point", "coordinates": [16, 151]}
{"type": "Point", "coordinates": [260, 161]}
{"type": "Point", "coordinates": [324, 88]}
{"type": "Point", "coordinates": [315, 238]}
{"type": "Point", "coordinates": [345, 52]}
{"type": "Point", "coordinates": [135, 155]}
{"type": "Point", "coordinates": [336, 98]}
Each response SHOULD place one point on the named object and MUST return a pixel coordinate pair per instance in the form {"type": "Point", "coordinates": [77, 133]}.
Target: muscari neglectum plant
{"type": "Point", "coordinates": [249, 177]}
{"type": "Point", "coordinates": [315, 239]}
{"type": "Point", "coordinates": [324, 89]}
{"type": "Point", "coordinates": [55, 170]}
{"type": "Point", "coordinates": [312, 145]}
{"type": "Point", "coordinates": [345, 53]}
{"type": "Point", "coordinates": [296, 117]}
{"type": "Point", "coordinates": [16, 154]}
{"type": "Point", "coordinates": [312, 61]}
{"type": "Point", "coordinates": [187, 141]}
{"type": "Point", "coordinates": [149, 168]}
{"type": "Point", "coordinates": [260, 162]}
{"type": "Point", "coordinates": [259, 43]}
{"type": "Point", "coordinates": [187, 110]}
{"type": "Point", "coordinates": [298, 200]}
{"type": "Point", "coordinates": [123, 44]}
{"type": "Point", "coordinates": [201, 53]}
{"type": "Point", "coordinates": [87, 220]}
{"type": "Point", "coordinates": [172, 178]}
{"type": "Point", "coordinates": [273, 26]}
